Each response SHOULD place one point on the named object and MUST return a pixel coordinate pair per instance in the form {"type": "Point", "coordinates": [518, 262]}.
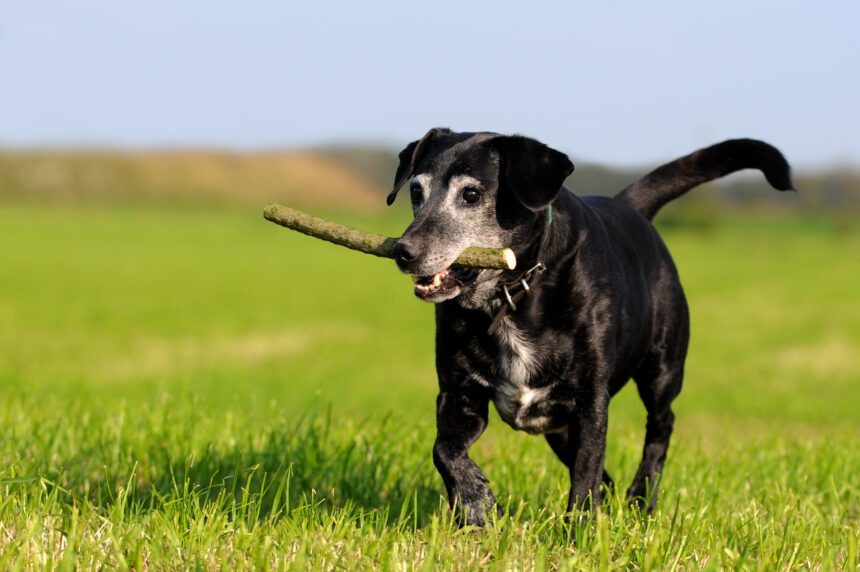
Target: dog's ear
{"type": "Point", "coordinates": [533, 171]}
{"type": "Point", "coordinates": [410, 157]}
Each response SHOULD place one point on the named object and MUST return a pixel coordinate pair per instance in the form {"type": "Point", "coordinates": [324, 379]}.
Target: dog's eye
{"type": "Point", "coordinates": [416, 193]}
{"type": "Point", "coordinates": [471, 195]}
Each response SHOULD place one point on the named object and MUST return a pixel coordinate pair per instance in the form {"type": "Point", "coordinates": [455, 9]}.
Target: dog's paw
{"type": "Point", "coordinates": [642, 500]}
{"type": "Point", "coordinates": [637, 503]}
{"type": "Point", "coordinates": [479, 512]}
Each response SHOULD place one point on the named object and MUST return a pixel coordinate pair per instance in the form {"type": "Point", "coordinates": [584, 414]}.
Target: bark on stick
{"type": "Point", "coordinates": [378, 245]}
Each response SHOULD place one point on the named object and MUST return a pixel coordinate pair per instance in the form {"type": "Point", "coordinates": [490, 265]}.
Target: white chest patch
{"type": "Point", "coordinates": [513, 396]}
{"type": "Point", "coordinates": [517, 354]}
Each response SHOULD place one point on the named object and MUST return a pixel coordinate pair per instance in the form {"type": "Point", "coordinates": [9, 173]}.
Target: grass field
{"type": "Point", "coordinates": [186, 389]}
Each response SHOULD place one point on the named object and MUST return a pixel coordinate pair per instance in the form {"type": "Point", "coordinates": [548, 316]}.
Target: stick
{"type": "Point", "coordinates": [375, 244]}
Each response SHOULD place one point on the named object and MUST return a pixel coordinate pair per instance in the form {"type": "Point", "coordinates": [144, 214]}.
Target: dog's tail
{"type": "Point", "coordinates": [670, 181]}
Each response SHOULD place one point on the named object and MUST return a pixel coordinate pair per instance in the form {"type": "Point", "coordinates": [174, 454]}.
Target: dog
{"type": "Point", "coordinates": [595, 300]}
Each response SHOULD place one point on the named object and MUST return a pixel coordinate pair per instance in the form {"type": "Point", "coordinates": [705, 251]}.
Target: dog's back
{"type": "Point", "coordinates": [634, 240]}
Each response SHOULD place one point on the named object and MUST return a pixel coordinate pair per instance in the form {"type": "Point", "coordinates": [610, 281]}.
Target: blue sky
{"type": "Point", "coordinates": [615, 82]}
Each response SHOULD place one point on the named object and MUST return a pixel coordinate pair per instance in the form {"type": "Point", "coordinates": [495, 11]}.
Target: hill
{"type": "Point", "coordinates": [185, 177]}
{"type": "Point", "coordinates": [350, 178]}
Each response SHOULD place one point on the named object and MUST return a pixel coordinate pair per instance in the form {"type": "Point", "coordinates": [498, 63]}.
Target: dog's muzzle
{"type": "Point", "coordinates": [432, 287]}
{"type": "Point", "coordinates": [443, 285]}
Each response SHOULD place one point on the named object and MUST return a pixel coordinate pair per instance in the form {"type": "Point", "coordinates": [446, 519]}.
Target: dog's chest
{"type": "Point", "coordinates": [520, 402]}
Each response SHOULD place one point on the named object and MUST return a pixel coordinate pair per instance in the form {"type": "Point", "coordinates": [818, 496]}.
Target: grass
{"type": "Point", "coordinates": [187, 389]}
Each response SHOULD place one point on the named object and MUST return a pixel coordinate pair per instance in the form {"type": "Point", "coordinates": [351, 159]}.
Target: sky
{"type": "Point", "coordinates": [619, 83]}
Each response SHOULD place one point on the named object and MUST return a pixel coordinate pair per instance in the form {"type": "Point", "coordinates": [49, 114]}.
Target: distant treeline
{"type": "Point", "coordinates": [352, 177]}
{"type": "Point", "coordinates": [836, 189]}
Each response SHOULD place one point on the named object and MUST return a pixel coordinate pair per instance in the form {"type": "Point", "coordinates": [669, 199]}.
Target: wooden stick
{"type": "Point", "coordinates": [375, 244]}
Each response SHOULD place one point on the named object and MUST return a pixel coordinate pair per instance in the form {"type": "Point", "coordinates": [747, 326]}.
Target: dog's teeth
{"type": "Point", "coordinates": [437, 279]}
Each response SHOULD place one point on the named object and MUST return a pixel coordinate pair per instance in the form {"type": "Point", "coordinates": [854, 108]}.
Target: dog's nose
{"type": "Point", "coordinates": [404, 252]}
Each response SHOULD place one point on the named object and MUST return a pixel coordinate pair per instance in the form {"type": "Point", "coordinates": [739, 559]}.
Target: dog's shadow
{"type": "Point", "coordinates": [314, 465]}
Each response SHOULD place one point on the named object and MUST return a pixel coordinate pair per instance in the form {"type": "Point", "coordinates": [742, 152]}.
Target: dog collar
{"type": "Point", "coordinates": [516, 292]}
{"type": "Point", "coordinates": [522, 286]}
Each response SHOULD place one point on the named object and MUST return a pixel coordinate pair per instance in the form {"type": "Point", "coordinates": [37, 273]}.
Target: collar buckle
{"type": "Point", "coordinates": [531, 273]}
{"type": "Point", "coordinates": [508, 298]}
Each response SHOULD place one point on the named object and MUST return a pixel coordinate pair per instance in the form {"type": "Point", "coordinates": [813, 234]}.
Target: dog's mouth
{"type": "Point", "coordinates": [444, 285]}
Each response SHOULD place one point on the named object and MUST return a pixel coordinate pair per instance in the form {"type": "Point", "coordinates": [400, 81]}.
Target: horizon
{"type": "Point", "coordinates": [815, 170]}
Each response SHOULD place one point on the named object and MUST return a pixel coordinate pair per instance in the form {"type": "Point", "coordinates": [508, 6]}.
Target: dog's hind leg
{"type": "Point", "coordinates": [658, 386]}
{"type": "Point", "coordinates": [558, 443]}
{"type": "Point", "coordinates": [583, 448]}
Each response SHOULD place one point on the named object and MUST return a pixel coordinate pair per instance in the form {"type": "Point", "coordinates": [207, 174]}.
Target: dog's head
{"type": "Point", "coordinates": [471, 189]}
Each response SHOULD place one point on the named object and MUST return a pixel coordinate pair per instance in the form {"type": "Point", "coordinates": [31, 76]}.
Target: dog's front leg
{"type": "Point", "coordinates": [461, 417]}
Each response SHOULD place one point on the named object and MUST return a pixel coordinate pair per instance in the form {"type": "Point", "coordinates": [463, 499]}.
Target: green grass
{"type": "Point", "coordinates": [186, 389]}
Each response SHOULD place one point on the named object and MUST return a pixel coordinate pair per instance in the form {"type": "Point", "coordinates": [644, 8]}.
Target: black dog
{"type": "Point", "coordinates": [594, 301]}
